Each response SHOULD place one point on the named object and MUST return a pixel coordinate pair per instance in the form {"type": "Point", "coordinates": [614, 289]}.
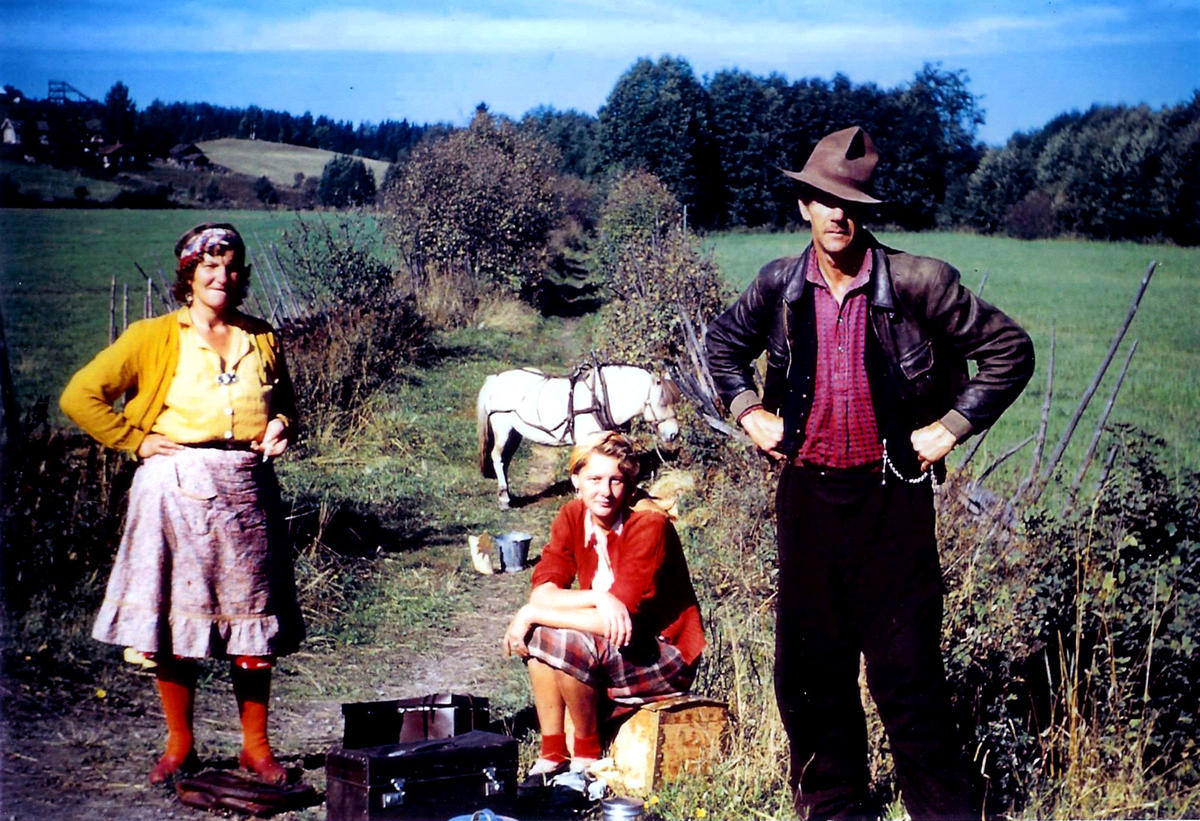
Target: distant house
{"type": "Point", "coordinates": [11, 131]}
{"type": "Point", "coordinates": [111, 156]}
{"type": "Point", "coordinates": [188, 155]}
{"type": "Point", "coordinates": [95, 132]}
{"type": "Point", "coordinates": [93, 143]}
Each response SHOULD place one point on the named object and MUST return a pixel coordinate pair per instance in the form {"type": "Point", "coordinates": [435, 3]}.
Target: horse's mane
{"type": "Point", "coordinates": [671, 391]}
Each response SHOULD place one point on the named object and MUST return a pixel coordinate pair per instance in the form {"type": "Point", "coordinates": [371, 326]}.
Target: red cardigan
{"type": "Point", "coordinates": [651, 573]}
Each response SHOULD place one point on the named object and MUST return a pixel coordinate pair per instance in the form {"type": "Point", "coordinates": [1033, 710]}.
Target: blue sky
{"type": "Point", "coordinates": [426, 62]}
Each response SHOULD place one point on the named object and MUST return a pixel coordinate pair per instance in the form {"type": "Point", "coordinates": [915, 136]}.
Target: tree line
{"type": "Point", "coordinates": [153, 131]}
{"type": "Point", "coordinates": [717, 143]}
{"type": "Point", "coordinates": [1112, 172]}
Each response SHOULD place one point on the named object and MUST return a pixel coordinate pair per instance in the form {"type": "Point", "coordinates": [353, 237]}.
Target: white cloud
{"type": "Point", "coordinates": [606, 28]}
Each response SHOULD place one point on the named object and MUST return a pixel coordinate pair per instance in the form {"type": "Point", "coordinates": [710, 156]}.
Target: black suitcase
{"type": "Point", "coordinates": [438, 715]}
{"type": "Point", "coordinates": [433, 779]}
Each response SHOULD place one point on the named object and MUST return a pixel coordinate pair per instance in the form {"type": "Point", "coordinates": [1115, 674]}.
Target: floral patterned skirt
{"type": "Point", "coordinates": [203, 568]}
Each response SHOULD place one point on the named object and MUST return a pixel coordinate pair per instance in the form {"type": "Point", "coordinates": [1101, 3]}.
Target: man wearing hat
{"type": "Point", "coordinates": [866, 391]}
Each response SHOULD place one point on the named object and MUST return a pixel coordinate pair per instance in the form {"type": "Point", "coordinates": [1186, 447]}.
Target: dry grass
{"type": "Point", "coordinates": [504, 313]}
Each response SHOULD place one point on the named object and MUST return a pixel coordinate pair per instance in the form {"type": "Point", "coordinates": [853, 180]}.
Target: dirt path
{"type": "Point", "coordinates": [77, 743]}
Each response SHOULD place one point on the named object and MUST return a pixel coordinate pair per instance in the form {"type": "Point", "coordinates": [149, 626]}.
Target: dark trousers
{"type": "Point", "coordinates": [859, 573]}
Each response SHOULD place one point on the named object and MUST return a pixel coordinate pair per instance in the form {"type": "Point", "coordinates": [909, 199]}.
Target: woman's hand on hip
{"type": "Point", "coordinates": [156, 443]}
{"type": "Point", "coordinates": [274, 441]}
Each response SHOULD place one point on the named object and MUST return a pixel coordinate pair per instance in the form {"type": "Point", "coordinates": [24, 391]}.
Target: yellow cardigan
{"type": "Point", "coordinates": [142, 362]}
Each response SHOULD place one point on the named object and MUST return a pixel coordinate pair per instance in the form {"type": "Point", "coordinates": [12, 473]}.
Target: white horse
{"type": "Point", "coordinates": [557, 410]}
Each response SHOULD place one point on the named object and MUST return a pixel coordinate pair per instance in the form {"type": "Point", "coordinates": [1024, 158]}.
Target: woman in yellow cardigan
{"type": "Point", "coordinates": [203, 569]}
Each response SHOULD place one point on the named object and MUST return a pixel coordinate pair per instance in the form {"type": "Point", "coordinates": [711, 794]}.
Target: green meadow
{"type": "Point", "coordinates": [56, 183]}
{"type": "Point", "coordinates": [1083, 291]}
{"type": "Point", "coordinates": [56, 270]}
{"type": "Point", "coordinates": [278, 162]}
{"type": "Point", "coordinates": [57, 266]}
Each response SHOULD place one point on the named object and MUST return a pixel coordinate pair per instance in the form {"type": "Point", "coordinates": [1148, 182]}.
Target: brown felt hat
{"type": "Point", "coordinates": [841, 164]}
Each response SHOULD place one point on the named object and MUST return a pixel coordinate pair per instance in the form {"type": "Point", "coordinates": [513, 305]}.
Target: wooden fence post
{"type": "Point", "coordinates": [1112, 400]}
{"type": "Point", "coordinates": [1056, 456]}
{"type": "Point", "coordinates": [112, 309]}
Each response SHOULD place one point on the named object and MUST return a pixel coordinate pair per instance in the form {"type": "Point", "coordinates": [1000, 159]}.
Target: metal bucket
{"type": "Point", "coordinates": [621, 809]}
{"type": "Point", "coordinates": [482, 815]}
{"type": "Point", "coordinates": [512, 550]}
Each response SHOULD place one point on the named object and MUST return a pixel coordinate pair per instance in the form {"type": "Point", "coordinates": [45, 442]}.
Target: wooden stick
{"type": "Point", "coordinates": [1112, 400]}
{"type": "Point", "coordinates": [702, 333]}
{"type": "Point", "coordinates": [1002, 458]}
{"type": "Point", "coordinates": [124, 305]}
{"type": "Point", "coordinates": [112, 309]}
{"type": "Point", "coordinates": [262, 302]}
{"type": "Point", "coordinates": [1040, 448]}
{"type": "Point", "coordinates": [279, 298]}
{"type": "Point", "coordinates": [255, 305]}
{"type": "Point", "coordinates": [262, 279]}
{"type": "Point", "coordinates": [721, 426]}
{"type": "Point", "coordinates": [152, 286]}
{"type": "Point", "coordinates": [982, 283]}
{"type": "Point", "coordinates": [268, 283]}
{"type": "Point", "coordinates": [1059, 449]}
{"type": "Point", "coordinates": [280, 266]}
{"type": "Point", "coordinates": [699, 383]}
{"type": "Point", "coordinates": [166, 294]}
{"type": "Point", "coordinates": [146, 312]}
{"type": "Point", "coordinates": [971, 451]}
{"type": "Point", "coordinates": [300, 310]}
{"type": "Point", "coordinates": [289, 308]}
{"type": "Point", "coordinates": [1031, 479]}
{"type": "Point", "coordinates": [1108, 463]}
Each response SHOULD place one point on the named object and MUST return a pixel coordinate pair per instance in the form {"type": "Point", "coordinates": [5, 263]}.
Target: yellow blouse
{"type": "Point", "coordinates": [206, 403]}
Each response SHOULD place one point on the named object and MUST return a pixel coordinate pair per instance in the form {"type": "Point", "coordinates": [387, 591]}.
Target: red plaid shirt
{"type": "Point", "coordinates": [841, 431]}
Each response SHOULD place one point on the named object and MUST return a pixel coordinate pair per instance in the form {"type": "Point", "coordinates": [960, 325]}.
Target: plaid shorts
{"type": "Point", "coordinates": [655, 672]}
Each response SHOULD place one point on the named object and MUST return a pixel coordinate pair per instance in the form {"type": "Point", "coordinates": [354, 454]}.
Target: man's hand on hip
{"type": "Point", "coordinates": [766, 431]}
{"type": "Point", "coordinates": [932, 443]}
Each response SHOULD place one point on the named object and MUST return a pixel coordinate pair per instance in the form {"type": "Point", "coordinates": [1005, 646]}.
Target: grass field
{"type": "Point", "coordinates": [1083, 290]}
{"type": "Point", "coordinates": [56, 183]}
{"type": "Point", "coordinates": [278, 162]}
{"type": "Point", "coordinates": [57, 266]}
{"type": "Point", "coordinates": [55, 272]}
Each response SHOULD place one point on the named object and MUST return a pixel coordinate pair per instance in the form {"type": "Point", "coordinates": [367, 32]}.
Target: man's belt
{"type": "Point", "coordinates": [867, 469]}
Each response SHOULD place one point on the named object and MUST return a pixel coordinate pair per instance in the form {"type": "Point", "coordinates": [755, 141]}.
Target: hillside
{"type": "Point", "coordinates": [278, 162]}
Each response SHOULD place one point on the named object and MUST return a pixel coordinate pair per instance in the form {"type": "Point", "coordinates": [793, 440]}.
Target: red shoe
{"type": "Point", "coordinates": [264, 766]}
{"type": "Point", "coordinates": [170, 765]}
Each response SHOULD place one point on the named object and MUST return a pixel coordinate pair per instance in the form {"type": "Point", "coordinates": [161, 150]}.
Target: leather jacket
{"type": "Point", "coordinates": [923, 327]}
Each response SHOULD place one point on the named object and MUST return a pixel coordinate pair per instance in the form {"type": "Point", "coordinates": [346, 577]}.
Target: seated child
{"type": "Point", "coordinates": [631, 631]}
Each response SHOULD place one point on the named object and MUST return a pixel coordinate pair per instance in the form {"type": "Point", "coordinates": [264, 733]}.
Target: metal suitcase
{"type": "Point", "coordinates": [433, 779]}
{"type": "Point", "coordinates": [438, 715]}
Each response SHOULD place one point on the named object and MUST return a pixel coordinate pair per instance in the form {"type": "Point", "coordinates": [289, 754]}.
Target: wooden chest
{"type": "Point", "coordinates": [666, 738]}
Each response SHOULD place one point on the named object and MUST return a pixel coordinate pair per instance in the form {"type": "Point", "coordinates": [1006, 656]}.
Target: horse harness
{"type": "Point", "coordinates": [600, 404]}
{"type": "Point", "coordinates": [599, 407]}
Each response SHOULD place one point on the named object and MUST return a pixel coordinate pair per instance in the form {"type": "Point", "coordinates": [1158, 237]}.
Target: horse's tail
{"type": "Point", "coordinates": [487, 437]}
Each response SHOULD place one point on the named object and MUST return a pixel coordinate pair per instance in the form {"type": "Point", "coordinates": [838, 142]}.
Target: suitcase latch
{"type": "Point", "coordinates": [394, 798]}
{"type": "Point", "coordinates": [491, 784]}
